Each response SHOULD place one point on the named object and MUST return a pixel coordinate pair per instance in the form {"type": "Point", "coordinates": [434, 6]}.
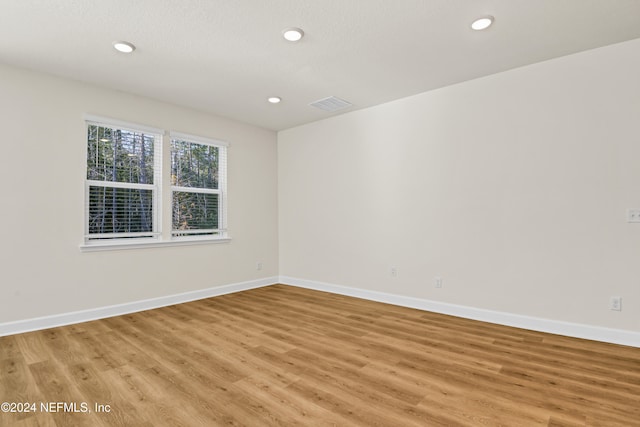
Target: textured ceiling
{"type": "Point", "coordinates": [227, 56]}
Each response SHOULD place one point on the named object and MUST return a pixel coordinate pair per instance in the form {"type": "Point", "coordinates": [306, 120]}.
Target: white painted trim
{"type": "Point", "coordinates": [119, 244]}
{"type": "Point", "coordinates": [195, 138]}
{"type": "Point", "coordinates": [136, 127]}
{"type": "Point", "coordinates": [28, 325]}
{"type": "Point", "coordinates": [576, 330]}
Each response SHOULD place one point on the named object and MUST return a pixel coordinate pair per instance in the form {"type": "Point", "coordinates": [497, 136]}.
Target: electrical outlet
{"type": "Point", "coordinates": [437, 282]}
{"type": "Point", "coordinates": [393, 271]}
{"type": "Point", "coordinates": [615, 303]}
{"type": "Point", "coordinates": [259, 265]}
{"type": "Point", "coordinates": [633, 215]}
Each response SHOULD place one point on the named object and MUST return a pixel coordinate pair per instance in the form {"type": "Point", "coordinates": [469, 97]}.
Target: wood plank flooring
{"type": "Point", "coordinates": [285, 356]}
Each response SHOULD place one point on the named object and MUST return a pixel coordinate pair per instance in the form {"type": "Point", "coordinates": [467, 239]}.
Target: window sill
{"type": "Point", "coordinates": [139, 244]}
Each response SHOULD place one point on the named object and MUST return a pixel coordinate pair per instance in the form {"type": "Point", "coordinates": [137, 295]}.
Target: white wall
{"type": "Point", "coordinates": [42, 167]}
{"type": "Point", "coordinates": [513, 188]}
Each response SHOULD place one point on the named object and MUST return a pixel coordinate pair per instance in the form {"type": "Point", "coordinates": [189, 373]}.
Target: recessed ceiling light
{"type": "Point", "coordinates": [482, 23]}
{"type": "Point", "coordinates": [124, 47]}
{"type": "Point", "coordinates": [292, 34]}
{"type": "Point", "coordinates": [274, 99]}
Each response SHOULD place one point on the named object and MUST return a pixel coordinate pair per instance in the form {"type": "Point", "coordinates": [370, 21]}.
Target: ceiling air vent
{"type": "Point", "coordinates": [331, 104]}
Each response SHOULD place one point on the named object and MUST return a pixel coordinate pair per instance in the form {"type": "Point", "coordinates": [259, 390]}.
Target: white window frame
{"type": "Point", "coordinates": [221, 191]}
{"type": "Point", "coordinates": [162, 234]}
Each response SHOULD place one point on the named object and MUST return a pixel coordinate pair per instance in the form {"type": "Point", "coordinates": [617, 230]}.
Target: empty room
{"type": "Point", "coordinates": [336, 212]}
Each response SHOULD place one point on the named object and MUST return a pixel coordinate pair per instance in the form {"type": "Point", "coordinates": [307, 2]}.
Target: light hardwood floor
{"type": "Point", "coordinates": [286, 356]}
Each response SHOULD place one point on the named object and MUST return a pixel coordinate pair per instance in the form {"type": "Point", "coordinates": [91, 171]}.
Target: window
{"type": "Point", "coordinates": [121, 187]}
{"type": "Point", "coordinates": [124, 186]}
{"type": "Point", "coordinates": [198, 188]}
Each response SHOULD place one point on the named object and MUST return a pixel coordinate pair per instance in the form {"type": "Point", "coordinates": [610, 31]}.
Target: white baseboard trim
{"type": "Point", "coordinates": [577, 330]}
{"type": "Point", "coordinates": [46, 322]}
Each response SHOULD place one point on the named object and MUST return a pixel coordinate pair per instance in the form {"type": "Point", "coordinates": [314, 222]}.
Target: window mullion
{"type": "Point", "coordinates": [165, 196]}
